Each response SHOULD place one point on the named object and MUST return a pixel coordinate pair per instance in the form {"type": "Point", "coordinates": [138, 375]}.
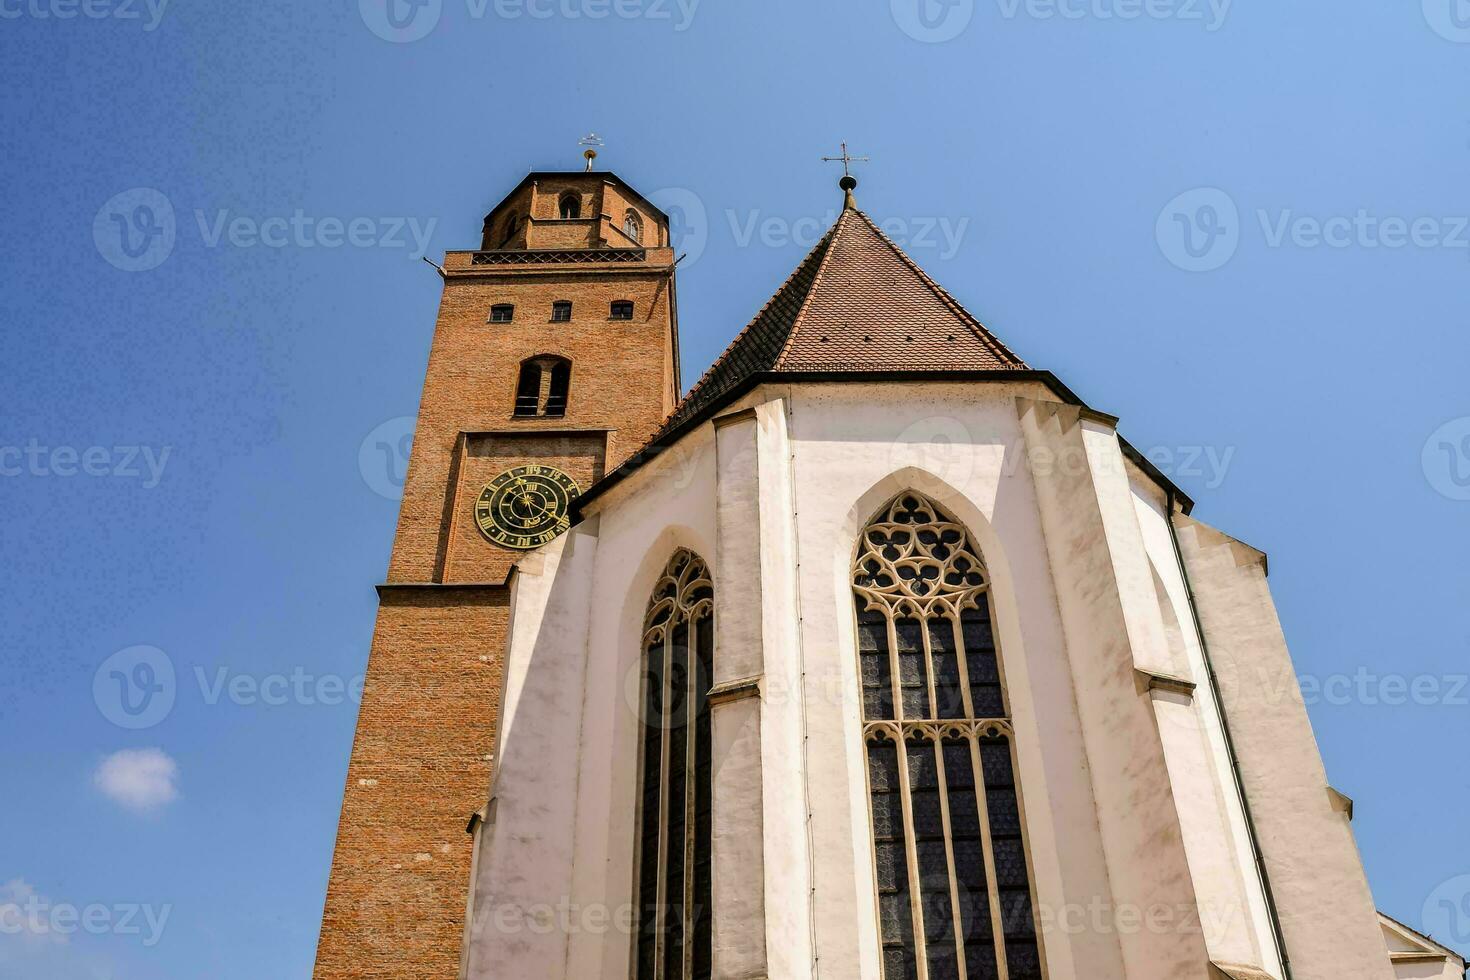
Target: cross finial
{"type": "Point", "coordinates": [848, 181]}
{"type": "Point", "coordinates": [592, 141]}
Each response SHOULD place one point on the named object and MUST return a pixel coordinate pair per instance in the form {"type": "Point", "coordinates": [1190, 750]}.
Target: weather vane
{"type": "Point", "coordinates": [592, 141]}
{"type": "Point", "coordinates": [848, 181]}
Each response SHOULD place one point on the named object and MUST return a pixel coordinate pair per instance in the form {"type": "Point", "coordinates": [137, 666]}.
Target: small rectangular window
{"type": "Point", "coordinates": [502, 313]}
{"type": "Point", "coordinates": [622, 309]}
{"type": "Point", "coordinates": [561, 311]}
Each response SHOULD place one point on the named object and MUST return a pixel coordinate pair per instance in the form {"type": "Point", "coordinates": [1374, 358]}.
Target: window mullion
{"type": "Point", "coordinates": [954, 880]}
{"type": "Point", "coordinates": [992, 884]}
{"type": "Point", "coordinates": [661, 904]}
{"type": "Point", "coordinates": [911, 853]}
{"type": "Point", "coordinates": [962, 661]}
{"type": "Point", "coordinates": [923, 621]}
{"type": "Point", "coordinates": [895, 683]}
{"type": "Point", "coordinates": [691, 783]}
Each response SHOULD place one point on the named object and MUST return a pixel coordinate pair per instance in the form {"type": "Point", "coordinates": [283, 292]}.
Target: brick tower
{"type": "Point", "coordinates": [554, 358]}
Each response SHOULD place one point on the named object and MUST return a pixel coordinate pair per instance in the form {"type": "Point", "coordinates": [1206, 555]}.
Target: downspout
{"type": "Point", "coordinates": [1245, 806]}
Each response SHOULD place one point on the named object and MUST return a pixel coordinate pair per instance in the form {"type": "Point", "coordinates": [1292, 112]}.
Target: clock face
{"type": "Point", "coordinates": [526, 507]}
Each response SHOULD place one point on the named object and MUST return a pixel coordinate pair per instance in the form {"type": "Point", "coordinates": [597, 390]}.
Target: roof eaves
{"type": "Point", "coordinates": [671, 434]}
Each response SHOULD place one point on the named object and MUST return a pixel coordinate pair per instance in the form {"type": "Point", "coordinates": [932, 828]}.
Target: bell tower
{"type": "Point", "coordinates": [554, 358]}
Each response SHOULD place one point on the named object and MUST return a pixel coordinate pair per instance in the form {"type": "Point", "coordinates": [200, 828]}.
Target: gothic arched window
{"type": "Point", "coordinates": [570, 206]}
{"type": "Point", "coordinates": [632, 227]}
{"type": "Point", "coordinates": [674, 892]}
{"type": "Point", "coordinates": [954, 897]}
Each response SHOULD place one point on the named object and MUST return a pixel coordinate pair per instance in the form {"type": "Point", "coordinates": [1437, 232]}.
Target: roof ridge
{"type": "Point", "coordinates": [822, 244]}
{"type": "Point", "coordinates": [980, 330]}
{"type": "Point", "coordinates": [806, 301]}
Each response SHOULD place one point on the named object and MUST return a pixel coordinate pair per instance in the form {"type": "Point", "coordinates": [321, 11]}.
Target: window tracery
{"type": "Point", "coordinates": [674, 885]}
{"type": "Point", "coordinates": [954, 895]}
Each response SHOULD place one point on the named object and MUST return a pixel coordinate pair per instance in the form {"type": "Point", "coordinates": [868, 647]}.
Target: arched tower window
{"type": "Point", "coordinates": [674, 893]}
{"type": "Point", "coordinates": [570, 206]}
{"type": "Point", "coordinates": [632, 227]}
{"type": "Point", "coordinates": [543, 387]}
{"type": "Point", "coordinates": [954, 895]}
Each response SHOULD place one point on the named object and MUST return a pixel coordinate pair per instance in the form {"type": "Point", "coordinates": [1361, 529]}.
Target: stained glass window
{"type": "Point", "coordinates": [954, 894]}
{"type": "Point", "coordinates": [674, 889]}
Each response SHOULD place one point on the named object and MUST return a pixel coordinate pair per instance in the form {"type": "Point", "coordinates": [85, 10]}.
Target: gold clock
{"type": "Point", "coordinates": [526, 506]}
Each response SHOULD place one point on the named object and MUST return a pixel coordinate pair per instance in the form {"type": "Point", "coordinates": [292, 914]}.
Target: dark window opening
{"type": "Point", "coordinates": [561, 311]}
{"type": "Point", "coordinates": [570, 207]}
{"type": "Point", "coordinates": [543, 388]}
{"type": "Point", "coordinates": [942, 785]}
{"type": "Point", "coordinates": [675, 828]}
{"type": "Point", "coordinates": [556, 395]}
{"type": "Point", "coordinates": [622, 309]}
{"type": "Point", "coordinates": [502, 313]}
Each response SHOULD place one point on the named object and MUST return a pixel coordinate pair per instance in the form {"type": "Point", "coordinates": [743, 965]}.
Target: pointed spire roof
{"type": "Point", "coordinates": [855, 305]}
{"type": "Point", "coordinates": [855, 308]}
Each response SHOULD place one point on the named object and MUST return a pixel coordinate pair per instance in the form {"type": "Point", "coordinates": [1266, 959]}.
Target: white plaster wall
{"type": "Point", "coordinates": [524, 868]}
{"type": "Point", "coordinates": [1231, 896]}
{"type": "Point", "coordinates": [554, 892]}
{"type": "Point", "coordinates": [853, 448]}
{"type": "Point", "coordinates": [825, 458]}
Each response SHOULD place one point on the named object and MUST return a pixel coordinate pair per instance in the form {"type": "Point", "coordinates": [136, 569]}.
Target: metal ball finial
{"type": "Point", "coordinates": [848, 181]}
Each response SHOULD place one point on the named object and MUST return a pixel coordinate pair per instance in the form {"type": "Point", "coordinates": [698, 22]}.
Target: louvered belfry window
{"type": "Point", "coordinates": [954, 897]}
{"type": "Point", "coordinates": [673, 939]}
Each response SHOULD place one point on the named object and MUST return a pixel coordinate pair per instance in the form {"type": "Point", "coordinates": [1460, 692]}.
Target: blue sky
{"type": "Point", "coordinates": [1239, 226]}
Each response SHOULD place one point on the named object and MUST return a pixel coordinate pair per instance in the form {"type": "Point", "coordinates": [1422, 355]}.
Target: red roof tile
{"type": "Point", "coordinates": [855, 304]}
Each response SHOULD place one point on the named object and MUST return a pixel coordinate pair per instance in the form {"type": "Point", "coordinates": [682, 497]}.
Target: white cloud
{"type": "Point", "coordinates": [22, 913]}
{"type": "Point", "coordinates": [139, 779]}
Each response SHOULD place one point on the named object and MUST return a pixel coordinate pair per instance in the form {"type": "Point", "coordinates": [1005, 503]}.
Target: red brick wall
{"type": "Point", "coordinates": [426, 729]}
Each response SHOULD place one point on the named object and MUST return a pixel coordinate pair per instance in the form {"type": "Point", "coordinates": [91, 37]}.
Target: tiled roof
{"type": "Point", "coordinates": [855, 304]}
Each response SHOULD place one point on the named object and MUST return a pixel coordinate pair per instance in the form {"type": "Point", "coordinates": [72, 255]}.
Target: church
{"type": "Point", "coordinates": [877, 654]}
